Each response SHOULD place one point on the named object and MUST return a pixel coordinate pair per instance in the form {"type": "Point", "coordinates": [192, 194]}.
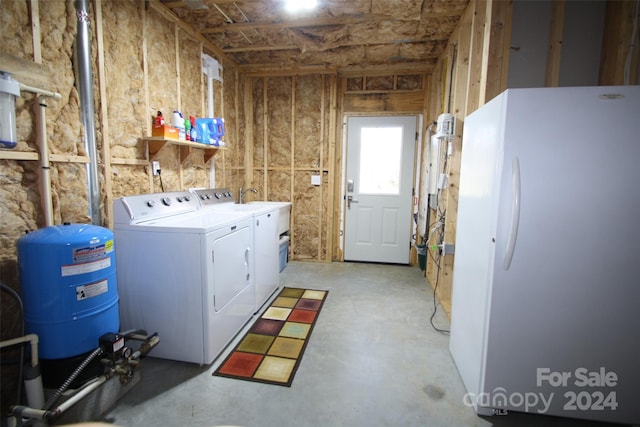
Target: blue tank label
{"type": "Point", "coordinates": [92, 290]}
{"type": "Point", "coordinates": [87, 267]}
{"type": "Point", "coordinates": [91, 253]}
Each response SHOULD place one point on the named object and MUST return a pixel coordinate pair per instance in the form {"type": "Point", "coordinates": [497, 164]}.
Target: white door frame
{"type": "Point", "coordinates": [343, 171]}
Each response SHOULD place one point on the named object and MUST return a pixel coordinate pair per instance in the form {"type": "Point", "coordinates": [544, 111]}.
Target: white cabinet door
{"type": "Point", "coordinates": [267, 255]}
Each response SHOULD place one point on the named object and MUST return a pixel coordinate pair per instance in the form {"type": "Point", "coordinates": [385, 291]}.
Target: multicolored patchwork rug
{"type": "Point", "coordinates": [272, 349]}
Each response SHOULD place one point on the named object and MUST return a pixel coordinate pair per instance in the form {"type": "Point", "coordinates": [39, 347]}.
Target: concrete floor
{"type": "Point", "coordinates": [373, 360]}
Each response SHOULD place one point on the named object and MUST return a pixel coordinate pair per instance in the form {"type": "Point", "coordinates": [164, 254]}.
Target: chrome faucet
{"type": "Point", "coordinates": [242, 193]}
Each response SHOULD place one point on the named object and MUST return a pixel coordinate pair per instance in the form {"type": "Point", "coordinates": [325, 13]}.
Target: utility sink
{"type": "Point", "coordinates": [260, 207]}
{"type": "Point", "coordinates": [283, 207]}
{"type": "Point", "coordinates": [268, 203]}
{"type": "Point", "coordinates": [252, 208]}
{"type": "Point", "coordinates": [234, 207]}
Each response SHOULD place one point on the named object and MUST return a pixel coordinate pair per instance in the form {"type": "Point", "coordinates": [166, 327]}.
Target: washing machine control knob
{"type": "Point", "coordinates": [187, 198]}
{"type": "Point", "coordinates": [151, 203]}
{"type": "Point", "coordinates": [166, 201]}
{"type": "Point", "coordinates": [179, 199]}
{"type": "Point", "coordinates": [218, 195]}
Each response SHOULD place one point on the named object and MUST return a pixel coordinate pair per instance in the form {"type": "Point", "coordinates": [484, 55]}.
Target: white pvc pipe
{"type": "Point", "coordinates": [34, 391]}
{"type": "Point", "coordinates": [33, 386]}
{"type": "Point", "coordinates": [80, 395]}
{"type": "Point", "coordinates": [210, 96]}
{"type": "Point", "coordinates": [30, 338]}
{"type": "Point", "coordinates": [41, 414]}
{"type": "Point", "coordinates": [38, 414]}
{"type": "Point", "coordinates": [45, 174]}
{"type": "Point", "coordinates": [42, 92]}
{"type": "Point", "coordinates": [41, 137]}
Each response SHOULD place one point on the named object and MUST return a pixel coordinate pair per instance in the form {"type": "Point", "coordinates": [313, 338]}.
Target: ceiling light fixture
{"type": "Point", "coordinates": [294, 6]}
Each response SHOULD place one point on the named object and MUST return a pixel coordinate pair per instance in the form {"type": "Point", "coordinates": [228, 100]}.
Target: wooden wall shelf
{"type": "Point", "coordinates": [156, 143]}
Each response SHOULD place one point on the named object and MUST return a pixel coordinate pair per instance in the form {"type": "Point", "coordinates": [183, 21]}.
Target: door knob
{"type": "Point", "coordinates": [350, 200]}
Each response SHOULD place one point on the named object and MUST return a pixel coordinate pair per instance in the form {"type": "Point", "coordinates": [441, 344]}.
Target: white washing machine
{"type": "Point", "coordinates": [267, 219]}
{"type": "Point", "coordinates": [185, 275]}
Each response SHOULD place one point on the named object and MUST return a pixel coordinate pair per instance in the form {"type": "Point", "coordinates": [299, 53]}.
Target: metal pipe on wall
{"type": "Point", "coordinates": [85, 91]}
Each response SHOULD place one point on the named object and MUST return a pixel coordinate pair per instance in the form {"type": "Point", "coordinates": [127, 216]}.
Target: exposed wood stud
{"type": "Point", "coordinates": [104, 112]}
{"type": "Point", "coordinates": [265, 133]}
{"type": "Point", "coordinates": [476, 57]}
{"type": "Point", "coordinates": [248, 132]}
{"type": "Point", "coordinates": [497, 49]}
{"type": "Point", "coordinates": [552, 75]}
{"type": "Point", "coordinates": [147, 103]}
{"type": "Point", "coordinates": [620, 58]}
{"type": "Point", "coordinates": [292, 137]}
{"type": "Point", "coordinates": [254, 48]}
{"type": "Point", "coordinates": [297, 23]}
{"type": "Point", "coordinates": [35, 30]}
{"type": "Point", "coordinates": [171, 17]}
{"type": "Point", "coordinates": [332, 209]}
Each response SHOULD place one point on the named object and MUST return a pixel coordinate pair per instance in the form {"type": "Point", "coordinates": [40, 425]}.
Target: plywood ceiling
{"type": "Point", "coordinates": [338, 34]}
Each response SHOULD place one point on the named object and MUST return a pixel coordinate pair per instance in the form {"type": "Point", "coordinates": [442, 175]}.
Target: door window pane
{"type": "Point", "coordinates": [380, 160]}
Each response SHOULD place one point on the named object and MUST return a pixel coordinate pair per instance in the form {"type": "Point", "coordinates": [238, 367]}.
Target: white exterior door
{"type": "Point", "coordinates": [379, 187]}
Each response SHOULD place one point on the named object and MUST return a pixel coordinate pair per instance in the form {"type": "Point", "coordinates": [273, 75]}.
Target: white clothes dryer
{"type": "Point", "coordinates": [266, 235]}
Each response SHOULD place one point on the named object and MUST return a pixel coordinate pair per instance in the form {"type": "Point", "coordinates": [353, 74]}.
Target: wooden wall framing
{"type": "Point", "coordinates": [472, 71]}
{"type": "Point", "coordinates": [620, 58]}
{"type": "Point", "coordinates": [288, 139]}
{"type": "Point", "coordinates": [475, 68]}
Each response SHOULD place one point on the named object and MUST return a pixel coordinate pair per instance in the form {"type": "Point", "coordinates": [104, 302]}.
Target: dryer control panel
{"type": "Point", "coordinates": [214, 196]}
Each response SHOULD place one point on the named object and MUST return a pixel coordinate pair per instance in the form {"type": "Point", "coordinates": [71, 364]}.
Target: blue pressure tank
{"type": "Point", "coordinates": [69, 288]}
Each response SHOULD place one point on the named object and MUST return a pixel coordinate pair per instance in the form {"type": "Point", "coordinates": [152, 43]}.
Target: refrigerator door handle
{"type": "Point", "coordinates": [515, 213]}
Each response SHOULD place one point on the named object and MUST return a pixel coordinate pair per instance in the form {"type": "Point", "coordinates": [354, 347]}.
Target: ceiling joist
{"type": "Point", "coordinates": [260, 48]}
{"type": "Point", "coordinates": [339, 34]}
{"type": "Point", "coordinates": [311, 22]}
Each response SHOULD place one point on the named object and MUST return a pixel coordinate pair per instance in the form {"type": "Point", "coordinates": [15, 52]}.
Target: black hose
{"type": "Point", "coordinates": [95, 353]}
{"type": "Point", "coordinates": [21, 305]}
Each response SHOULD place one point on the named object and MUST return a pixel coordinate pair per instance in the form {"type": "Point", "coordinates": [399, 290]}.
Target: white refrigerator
{"type": "Point", "coordinates": [546, 280]}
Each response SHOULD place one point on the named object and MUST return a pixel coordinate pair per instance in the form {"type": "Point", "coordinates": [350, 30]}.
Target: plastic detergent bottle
{"type": "Point", "coordinates": [177, 121]}
{"type": "Point", "coordinates": [187, 129]}
{"type": "Point", "coordinates": [194, 129]}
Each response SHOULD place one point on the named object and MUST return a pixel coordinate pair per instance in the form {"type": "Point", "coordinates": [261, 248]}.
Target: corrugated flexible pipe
{"type": "Point", "coordinates": [85, 91]}
{"type": "Point", "coordinates": [53, 398]}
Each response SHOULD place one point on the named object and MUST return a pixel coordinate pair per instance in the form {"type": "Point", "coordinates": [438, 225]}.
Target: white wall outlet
{"type": "Point", "coordinates": [315, 180]}
{"type": "Point", "coordinates": [155, 167]}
